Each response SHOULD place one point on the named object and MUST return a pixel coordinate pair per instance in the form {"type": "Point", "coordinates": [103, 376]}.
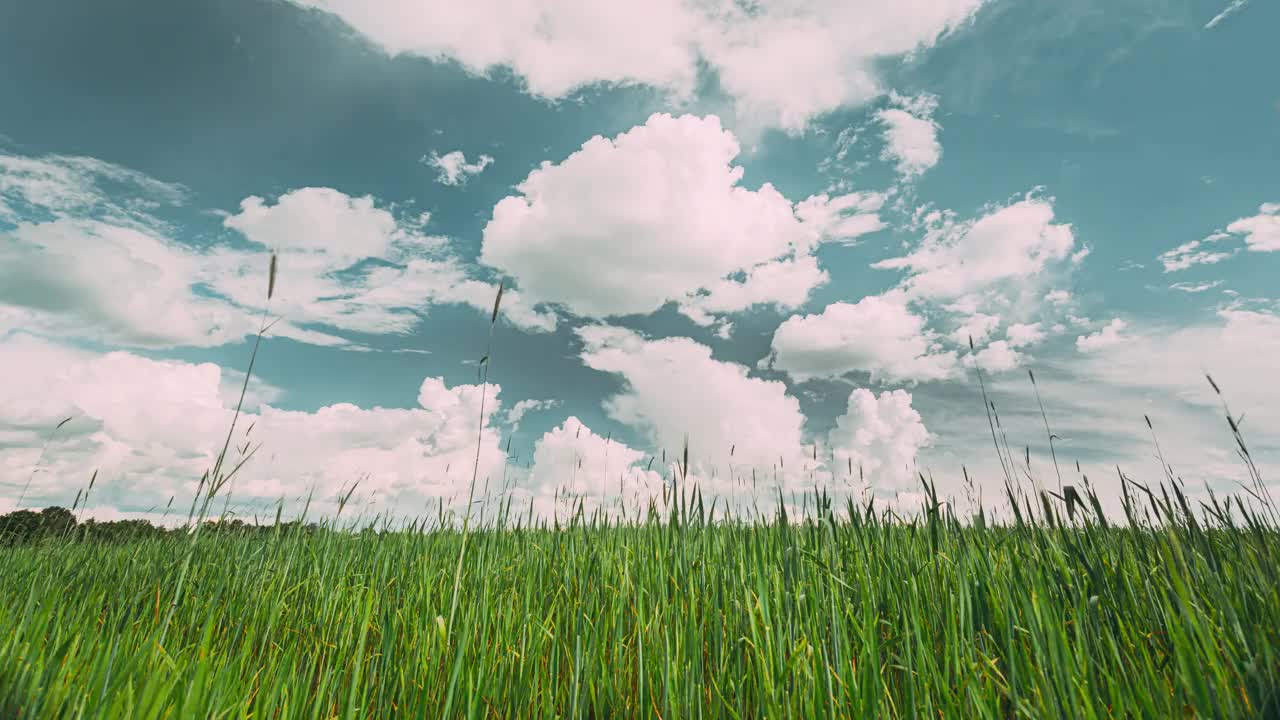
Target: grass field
{"type": "Point", "coordinates": [825, 618]}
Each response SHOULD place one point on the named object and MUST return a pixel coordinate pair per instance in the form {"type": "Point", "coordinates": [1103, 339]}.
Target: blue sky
{"type": "Point", "coordinates": [766, 230]}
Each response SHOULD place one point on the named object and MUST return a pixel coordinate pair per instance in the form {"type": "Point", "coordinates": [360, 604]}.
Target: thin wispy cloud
{"type": "Point", "coordinates": [1235, 7]}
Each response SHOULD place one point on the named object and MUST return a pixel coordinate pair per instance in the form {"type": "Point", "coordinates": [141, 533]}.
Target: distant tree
{"type": "Point", "coordinates": [23, 526]}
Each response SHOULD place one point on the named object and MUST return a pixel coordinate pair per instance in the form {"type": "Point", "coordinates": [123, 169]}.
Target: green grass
{"type": "Point", "coordinates": [674, 619]}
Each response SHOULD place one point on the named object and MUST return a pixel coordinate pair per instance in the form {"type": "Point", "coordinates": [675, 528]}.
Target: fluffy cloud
{"type": "Point", "coordinates": [910, 134]}
{"type": "Point", "coordinates": [73, 231]}
{"type": "Point", "coordinates": [878, 334]}
{"type": "Point", "coordinates": [1024, 334]}
{"type": "Point", "coordinates": [151, 428]}
{"type": "Point", "coordinates": [976, 327]}
{"type": "Point", "coordinates": [1002, 257]}
{"type": "Point", "coordinates": [572, 465]}
{"type": "Point", "coordinates": [453, 168]}
{"type": "Point", "coordinates": [781, 62]}
{"type": "Point", "coordinates": [1096, 403]}
{"type": "Point", "coordinates": [1106, 337]}
{"type": "Point", "coordinates": [1262, 231]}
{"type": "Point", "coordinates": [674, 388]}
{"type": "Point", "coordinates": [997, 357]}
{"type": "Point", "coordinates": [657, 215]}
{"type": "Point", "coordinates": [325, 239]}
{"type": "Point", "coordinates": [880, 436]}
{"type": "Point", "coordinates": [973, 277]}
{"type": "Point", "coordinates": [65, 277]}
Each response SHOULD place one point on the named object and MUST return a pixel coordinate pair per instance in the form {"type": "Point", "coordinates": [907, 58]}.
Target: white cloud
{"type": "Point", "coordinates": [1232, 8]}
{"type": "Point", "coordinates": [86, 229]}
{"type": "Point", "coordinates": [572, 464]}
{"type": "Point", "coordinates": [674, 388]}
{"type": "Point", "coordinates": [1024, 334]}
{"type": "Point", "coordinates": [453, 168]}
{"type": "Point", "coordinates": [881, 436]}
{"type": "Point", "coordinates": [910, 134]}
{"type": "Point", "coordinates": [324, 237]}
{"type": "Point", "coordinates": [1238, 348]}
{"type": "Point", "coordinates": [1106, 337]}
{"type": "Point", "coordinates": [1195, 252]}
{"type": "Point", "coordinates": [843, 218]}
{"type": "Point", "coordinates": [977, 326]}
{"type": "Point", "coordinates": [972, 277]}
{"type": "Point", "coordinates": [1195, 287]}
{"type": "Point", "coordinates": [997, 357]}
{"type": "Point", "coordinates": [878, 334]}
{"type": "Point", "coordinates": [323, 226]}
{"type": "Point", "coordinates": [524, 407]}
{"type": "Point", "coordinates": [66, 277]}
{"type": "Point", "coordinates": [79, 230]}
{"type": "Point", "coordinates": [1261, 231]}
{"type": "Point", "coordinates": [657, 215]}
{"type": "Point", "coordinates": [781, 62]}
{"type": "Point", "coordinates": [57, 186]}
{"type": "Point", "coordinates": [1003, 259]}
{"type": "Point", "coordinates": [1096, 403]}
{"type": "Point", "coordinates": [151, 428]}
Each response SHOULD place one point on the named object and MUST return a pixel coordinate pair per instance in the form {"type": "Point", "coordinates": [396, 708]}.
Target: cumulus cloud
{"type": "Point", "coordinates": [973, 277]}
{"type": "Point", "coordinates": [65, 277]}
{"type": "Point", "coordinates": [453, 169]}
{"type": "Point", "coordinates": [878, 334]}
{"type": "Point", "coordinates": [843, 218]}
{"type": "Point", "coordinates": [574, 467]}
{"type": "Point", "coordinates": [75, 230]}
{"type": "Point", "coordinates": [326, 239]}
{"type": "Point", "coordinates": [1106, 337]}
{"type": "Point", "coordinates": [1004, 256]}
{"type": "Point", "coordinates": [880, 436]}
{"type": "Point", "coordinates": [976, 327]}
{"type": "Point", "coordinates": [673, 388]}
{"type": "Point", "coordinates": [657, 215]}
{"type": "Point", "coordinates": [997, 357]}
{"type": "Point", "coordinates": [782, 63]}
{"type": "Point", "coordinates": [152, 427]}
{"type": "Point", "coordinates": [910, 134]}
{"type": "Point", "coordinates": [1024, 334]}
{"type": "Point", "coordinates": [1262, 231]}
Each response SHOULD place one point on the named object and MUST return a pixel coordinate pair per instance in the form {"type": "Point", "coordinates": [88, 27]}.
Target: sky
{"type": "Point", "coordinates": [791, 236]}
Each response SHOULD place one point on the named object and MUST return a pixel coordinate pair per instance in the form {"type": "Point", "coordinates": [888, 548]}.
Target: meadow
{"type": "Point", "coordinates": [859, 617]}
{"type": "Point", "coordinates": [847, 611]}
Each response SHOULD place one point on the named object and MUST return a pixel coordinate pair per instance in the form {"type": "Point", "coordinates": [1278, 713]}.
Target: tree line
{"type": "Point", "coordinates": [29, 526]}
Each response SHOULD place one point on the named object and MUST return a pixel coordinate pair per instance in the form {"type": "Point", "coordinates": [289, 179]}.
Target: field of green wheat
{"type": "Point", "coordinates": [676, 618]}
